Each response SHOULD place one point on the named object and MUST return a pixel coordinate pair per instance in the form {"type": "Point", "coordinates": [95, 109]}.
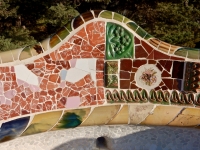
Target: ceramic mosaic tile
{"type": "Point", "coordinates": [101, 68]}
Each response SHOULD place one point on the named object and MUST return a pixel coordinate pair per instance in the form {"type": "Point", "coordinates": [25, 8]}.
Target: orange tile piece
{"type": "Point", "coordinates": [99, 75]}
{"type": "Point", "coordinates": [53, 77]}
{"type": "Point", "coordinates": [43, 84]}
{"type": "Point", "coordinates": [81, 82]}
{"type": "Point", "coordinates": [82, 34]}
{"type": "Point", "coordinates": [86, 55]}
{"type": "Point", "coordinates": [86, 47]}
{"type": "Point", "coordinates": [50, 66]}
{"type": "Point", "coordinates": [100, 83]}
{"type": "Point", "coordinates": [65, 46]}
{"type": "Point", "coordinates": [96, 53]}
{"type": "Point", "coordinates": [96, 32]}
{"type": "Point", "coordinates": [88, 78]}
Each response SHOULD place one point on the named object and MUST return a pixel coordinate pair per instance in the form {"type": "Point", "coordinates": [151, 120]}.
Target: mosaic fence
{"type": "Point", "coordinates": [102, 68]}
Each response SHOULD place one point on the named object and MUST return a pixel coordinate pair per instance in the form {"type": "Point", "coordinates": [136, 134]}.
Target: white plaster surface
{"type": "Point", "coordinates": [121, 137]}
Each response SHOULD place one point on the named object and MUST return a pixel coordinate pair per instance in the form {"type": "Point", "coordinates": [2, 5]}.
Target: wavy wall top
{"type": "Point", "coordinates": [101, 69]}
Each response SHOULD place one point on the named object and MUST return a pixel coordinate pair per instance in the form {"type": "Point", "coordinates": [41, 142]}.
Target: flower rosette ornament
{"type": "Point", "coordinates": [149, 76]}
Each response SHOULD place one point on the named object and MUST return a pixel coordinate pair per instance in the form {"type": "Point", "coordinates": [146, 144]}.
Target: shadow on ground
{"type": "Point", "coordinates": [156, 138]}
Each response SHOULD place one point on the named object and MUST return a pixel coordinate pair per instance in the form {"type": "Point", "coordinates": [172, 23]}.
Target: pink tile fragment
{"type": "Point", "coordinates": [8, 102]}
{"type": "Point", "coordinates": [19, 82]}
{"type": "Point", "coordinates": [73, 102]}
{"type": "Point", "coordinates": [62, 84]}
{"type": "Point", "coordinates": [34, 88]}
{"type": "Point", "coordinates": [10, 94]}
{"type": "Point", "coordinates": [2, 99]}
{"type": "Point", "coordinates": [73, 63]}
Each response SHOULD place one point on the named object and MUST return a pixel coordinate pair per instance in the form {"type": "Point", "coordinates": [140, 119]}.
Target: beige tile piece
{"type": "Point", "coordinates": [138, 113]}
{"type": "Point", "coordinates": [43, 122]}
{"type": "Point", "coordinates": [121, 117]}
{"type": "Point", "coordinates": [101, 115]}
{"type": "Point", "coordinates": [162, 115]}
{"type": "Point", "coordinates": [45, 44]}
{"type": "Point", "coordinates": [16, 53]}
{"type": "Point", "coordinates": [188, 117]}
{"type": "Point", "coordinates": [25, 54]}
{"type": "Point", "coordinates": [6, 57]}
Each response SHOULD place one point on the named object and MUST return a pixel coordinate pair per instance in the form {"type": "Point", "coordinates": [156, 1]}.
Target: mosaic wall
{"type": "Point", "coordinates": [102, 68]}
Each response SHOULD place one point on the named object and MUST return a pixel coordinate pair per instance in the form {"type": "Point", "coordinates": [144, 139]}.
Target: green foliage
{"type": "Point", "coordinates": [27, 22]}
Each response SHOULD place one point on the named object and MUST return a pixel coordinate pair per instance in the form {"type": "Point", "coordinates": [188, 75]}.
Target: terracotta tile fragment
{"type": "Point", "coordinates": [133, 86]}
{"type": "Point", "coordinates": [101, 47]}
{"type": "Point", "coordinates": [30, 66]}
{"type": "Point", "coordinates": [96, 53]}
{"type": "Point", "coordinates": [99, 75]}
{"type": "Point", "coordinates": [100, 64]}
{"type": "Point", "coordinates": [159, 67]}
{"type": "Point", "coordinates": [86, 47]}
{"type": "Point", "coordinates": [100, 82]}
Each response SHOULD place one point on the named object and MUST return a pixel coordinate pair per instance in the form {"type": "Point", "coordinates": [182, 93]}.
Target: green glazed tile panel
{"type": "Point", "coordinates": [118, 17]}
{"type": "Point", "coordinates": [119, 42]}
{"type": "Point", "coordinates": [191, 53]}
{"type": "Point", "coordinates": [106, 14]}
{"type": "Point", "coordinates": [132, 25]}
{"type": "Point", "coordinates": [62, 33]}
{"type": "Point", "coordinates": [54, 41]}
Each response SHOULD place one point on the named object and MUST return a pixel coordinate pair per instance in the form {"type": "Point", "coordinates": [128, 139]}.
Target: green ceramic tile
{"type": "Point", "coordinates": [126, 20]}
{"type": "Point", "coordinates": [148, 36]}
{"type": "Point", "coordinates": [181, 52]}
{"type": "Point", "coordinates": [118, 17]}
{"type": "Point", "coordinates": [158, 97]}
{"type": "Point", "coordinates": [132, 25]}
{"type": "Point", "coordinates": [141, 32]}
{"type": "Point", "coordinates": [193, 53]}
{"type": "Point", "coordinates": [68, 26]}
{"type": "Point", "coordinates": [119, 42]}
{"type": "Point", "coordinates": [54, 41]}
{"type": "Point", "coordinates": [112, 67]}
{"type": "Point", "coordinates": [111, 81]}
{"type": "Point", "coordinates": [62, 33]}
{"type": "Point", "coordinates": [106, 14]}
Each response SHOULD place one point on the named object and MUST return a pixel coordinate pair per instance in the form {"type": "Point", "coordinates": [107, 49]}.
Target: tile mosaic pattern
{"type": "Point", "coordinates": [96, 70]}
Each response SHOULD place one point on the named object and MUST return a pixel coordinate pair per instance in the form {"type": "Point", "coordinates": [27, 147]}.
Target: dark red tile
{"type": "Point", "coordinates": [164, 88]}
{"type": "Point", "coordinates": [87, 16]}
{"type": "Point", "coordinates": [132, 78]}
{"type": "Point", "coordinates": [124, 84]}
{"type": "Point", "coordinates": [159, 66]}
{"type": "Point", "coordinates": [126, 64]}
{"type": "Point", "coordinates": [78, 41]}
{"type": "Point", "coordinates": [147, 47]}
{"type": "Point", "coordinates": [137, 41]}
{"type": "Point", "coordinates": [177, 58]}
{"type": "Point", "coordinates": [133, 86]}
{"type": "Point", "coordinates": [169, 83]}
{"type": "Point", "coordinates": [177, 71]}
{"type": "Point", "coordinates": [124, 75]}
{"type": "Point", "coordinates": [165, 74]}
{"type": "Point", "coordinates": [138, 63]}
{"type": "Point", "coordinates": [77, 22]}
{"type": "Point", "coordinates": [96, 13]}
{"type": "Point", "coordinates": [168, 65]}
{"type": "Point", "coordinates": [177, 84]}
{"type": "Point", "coordinates": [152, 62]}
{"type": "Point", "coordinates": [140, 52]}
{"type": "Point", "coordinates": [159, 55]}
{"type": "Point", "coordinates": [151, 55]}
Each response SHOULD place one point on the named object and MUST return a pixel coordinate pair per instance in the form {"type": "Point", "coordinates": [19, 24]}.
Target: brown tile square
{"type": "Point", "coordinates": [124, 75]}
{"type": "Point", "coordinates": [126, 64]}
{"type": "Point", "coordinates": [124, 84]}
{"type": "Point", "coordinates": [138, 63]}
{"type": "Point", "coordinates": [140, 52]}
{"type": "Point", "coordinates": [100, 64]}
